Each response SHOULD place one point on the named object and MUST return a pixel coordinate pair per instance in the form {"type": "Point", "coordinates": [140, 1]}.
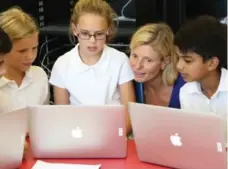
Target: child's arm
{"type": "Point", "coordinates": [25, 149]}
{"type": "Point", "coordinates": [47, 97]}
{"type": "Point", "coordinates": [61, 96]}
{"type": "Point", "coordinates": [47, 93]}
{"type": "Point", "coordinates": [57, 80]}
{"type": "Point", "coordinates": [127, 94]}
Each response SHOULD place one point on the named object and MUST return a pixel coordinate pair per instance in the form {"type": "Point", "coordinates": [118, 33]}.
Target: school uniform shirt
{"type": "Point", "coordinates": [97, 84]}
{"type": "Point", "coordinates": [33, 90]}
{"type": "Point", "coordinates": [192, 98]}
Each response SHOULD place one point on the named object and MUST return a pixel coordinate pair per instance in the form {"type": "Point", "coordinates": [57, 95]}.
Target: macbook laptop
{"type": "Point", "coordinates": [68, 131]}
{"type": "Point", "coordinates": [178, 139]}
{"type": "Point", "coordinates": [13, 127]}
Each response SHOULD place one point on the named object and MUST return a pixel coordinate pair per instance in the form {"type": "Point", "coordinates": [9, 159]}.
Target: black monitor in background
{"type": "Point", "coordinates": [44, 11]}
{"type": "Point", "coordinates": [28, 6]}
{"type": "Point", "coordinates": [124, 7]}
{"type": "Point", "coordinates": [59, 12]}
{"type": "Point", "coordinates": [51, 12]}
{"type": "Point", "coordinates": [147, 11]}
{"type": "Point", "coordinates": [171, 12]}
{"type": "Point", "coordinates": [216, 8]}
{"type": "Point", "coordinates": [118, 5]}
{"type": "Point", "coordinates": [176, 12]}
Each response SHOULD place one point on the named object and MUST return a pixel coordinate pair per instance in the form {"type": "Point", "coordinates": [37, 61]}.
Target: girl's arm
{"type": "Point", "coordinates": [61, 96]}
{"type": "Point", "coordinates": [127, 94]}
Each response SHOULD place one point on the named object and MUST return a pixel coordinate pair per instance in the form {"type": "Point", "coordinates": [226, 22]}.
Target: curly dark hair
{"type": "Point", "coordinates": [205, 36]}
{"type": "Point", "coordinates": [5, 42]}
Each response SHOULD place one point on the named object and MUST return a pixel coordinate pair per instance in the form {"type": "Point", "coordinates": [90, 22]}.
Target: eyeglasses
{"type": "Point", "coordinates": [97, 35]}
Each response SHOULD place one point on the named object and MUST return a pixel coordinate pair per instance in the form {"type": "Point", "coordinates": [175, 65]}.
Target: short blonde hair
{"type": "Point", "coordinates": [17, 24]}
{"type": "Point", "coordinates": [97, 7]}
{"type": "Point", "coordinates": [160, 38]}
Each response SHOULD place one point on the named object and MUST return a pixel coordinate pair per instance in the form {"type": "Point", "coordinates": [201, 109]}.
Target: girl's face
{"type": "Point", "coordinates": [23, 53]}
{"type": "Point", "coordinates": [92, 32]}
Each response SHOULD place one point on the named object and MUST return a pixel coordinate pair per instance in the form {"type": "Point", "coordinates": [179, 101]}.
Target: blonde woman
{"type": "Point", "coordinates": [153, 59]}
{"type": "Point", "coordinates": [22, 84]}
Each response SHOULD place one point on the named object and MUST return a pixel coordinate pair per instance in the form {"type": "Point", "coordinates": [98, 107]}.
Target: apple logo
{"type": "Point", "coordinates": [77, 133]}
{"type": "Point", "coordinates": [176, 140]}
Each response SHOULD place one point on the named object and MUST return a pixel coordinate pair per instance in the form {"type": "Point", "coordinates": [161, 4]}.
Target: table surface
{"type": "Point", "coordinates": [130, 162]}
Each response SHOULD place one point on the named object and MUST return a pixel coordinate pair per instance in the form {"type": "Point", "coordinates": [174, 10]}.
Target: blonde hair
{"type": "Point", "coordinates": [17, 24]}
{"type": "Point", "coordinates": [97, 7]}
{"type": "Point", "coordinates": [160, 38]}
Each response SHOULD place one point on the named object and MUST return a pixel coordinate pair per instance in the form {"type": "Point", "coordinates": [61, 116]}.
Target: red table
{"type": "Point", "coordinates": [130, 162]}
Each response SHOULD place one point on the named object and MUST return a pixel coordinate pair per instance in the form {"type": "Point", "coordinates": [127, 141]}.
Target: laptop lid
{"type": "Point", "coordinates": [68, 131]}
{"type": "Point", "coordinates": [176, 138]}
{"type": "Point", "coordinates": [13, 127]}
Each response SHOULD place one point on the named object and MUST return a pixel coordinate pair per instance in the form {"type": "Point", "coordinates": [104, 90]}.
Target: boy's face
{"type": "Point", "coordinates": [192, 67]}
{"type": "Point", "coordinates": [2, 70]}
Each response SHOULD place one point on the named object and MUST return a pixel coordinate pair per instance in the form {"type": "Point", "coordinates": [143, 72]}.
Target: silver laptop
{"type": "Point", "coordinates": [178, 139]}
{"type": "Point", "coordinates": [68, 131]}
{"type": "Point", "coordinates": [13, 127]}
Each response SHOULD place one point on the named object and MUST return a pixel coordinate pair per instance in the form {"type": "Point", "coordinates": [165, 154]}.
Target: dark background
{"type": "Point", "coordinates": [146, 11]}
{"type": "Point", "coordinates": [53, 17]}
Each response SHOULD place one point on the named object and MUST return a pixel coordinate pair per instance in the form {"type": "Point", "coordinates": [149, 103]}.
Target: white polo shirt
{"type": "Point", "coordinates": [192, 98]}
{"type": "Point", "coordinates": [34, 90]}
{"type": "Point", "coordinates": [96, 84]}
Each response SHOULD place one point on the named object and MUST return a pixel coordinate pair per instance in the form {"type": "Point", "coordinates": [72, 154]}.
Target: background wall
{"type": "Point", "coordinates": [174, 12]}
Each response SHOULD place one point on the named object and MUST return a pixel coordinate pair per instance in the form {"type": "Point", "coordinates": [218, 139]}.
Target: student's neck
{"type": "Point", "coordinates": [155, 84]}
{"type": "Point", "coordinates": [89, 59]}
{"type": "Point", "coordinates": [210, 83]}
{"type": "Point", "coordinates": [13, 74]}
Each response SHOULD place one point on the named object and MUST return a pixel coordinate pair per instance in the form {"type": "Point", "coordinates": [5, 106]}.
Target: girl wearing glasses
{"type": "Point", "coordinates": [92, 72]}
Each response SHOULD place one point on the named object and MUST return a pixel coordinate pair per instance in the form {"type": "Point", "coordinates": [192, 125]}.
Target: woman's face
{"type": "Point", "coordinates": [146, 63]}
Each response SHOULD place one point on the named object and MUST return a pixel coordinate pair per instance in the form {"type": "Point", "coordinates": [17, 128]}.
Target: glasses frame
{"type": "Point", "coordinates": [79, 34]}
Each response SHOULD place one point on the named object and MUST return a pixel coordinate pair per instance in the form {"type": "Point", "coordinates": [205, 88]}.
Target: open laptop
{"type": "Point", "coordinates": [68, 131]}
{"type": "Point", "coordinates": [178, 139]}
{"type": "Point", "coordinates": [13, 127]}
